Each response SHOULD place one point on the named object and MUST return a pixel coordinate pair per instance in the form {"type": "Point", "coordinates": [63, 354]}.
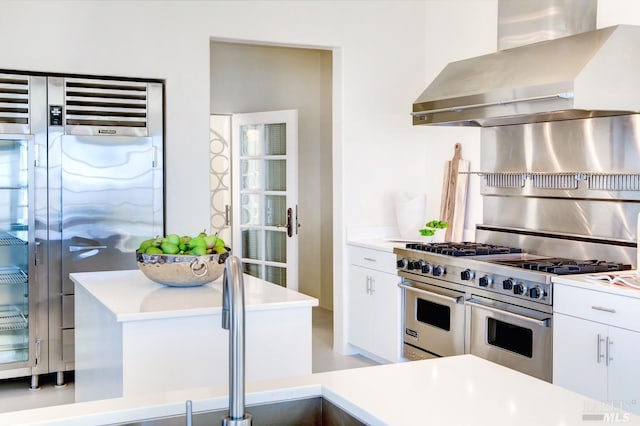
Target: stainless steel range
{"type": "Point", "coordinates": [488, 300]}
{"type": "Point", "coordinates": [559, 179]}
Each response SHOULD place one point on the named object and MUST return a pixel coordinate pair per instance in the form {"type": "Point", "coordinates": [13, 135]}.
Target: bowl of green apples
{"type": "Point", "coordinates": [183, 261]}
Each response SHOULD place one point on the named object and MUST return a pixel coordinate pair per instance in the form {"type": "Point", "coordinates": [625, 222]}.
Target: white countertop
{"type": "Point", "coordinates": [131, 296]}
{"type": "Point", "coordinates": [460, 390]}
{"type": "Point", "coordinates": [381, 244]}
{"type": "Point", "coordinates": [582, 281]}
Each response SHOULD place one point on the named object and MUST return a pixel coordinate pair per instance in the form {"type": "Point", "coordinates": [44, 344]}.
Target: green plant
{"type": "Point", "coordinates": [431, 226]}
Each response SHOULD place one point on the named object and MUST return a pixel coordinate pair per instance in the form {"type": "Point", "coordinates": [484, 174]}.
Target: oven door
{"type": "Point", "coordinates": [433, 319]}
{"type": "Point", "coordinates": [509, 335]}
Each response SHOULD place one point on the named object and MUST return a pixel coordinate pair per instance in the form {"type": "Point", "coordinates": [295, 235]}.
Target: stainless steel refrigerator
{"type": "Point", "coordinates": [81, 185]}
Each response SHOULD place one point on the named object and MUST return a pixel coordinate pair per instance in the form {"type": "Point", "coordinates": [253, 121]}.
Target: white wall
{"type": "Point", "coordinates": [385, 52]}
{"type": "Point", "coordinates": [379, 69]}
{"type": "Point", "coordinates": [456, 30]}
{"type": "Point", "coordinates": [613, 12]}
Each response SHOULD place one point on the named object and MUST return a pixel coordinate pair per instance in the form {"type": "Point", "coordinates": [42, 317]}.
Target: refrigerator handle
{"type": "Point", "coordinates": [88, 250]}
{"type": "Point", "coordinates": [36, 155]}
{"type": "Point", "coordinates": [73, 249]}
{"type": "Point", "coordinates": [154, 160]}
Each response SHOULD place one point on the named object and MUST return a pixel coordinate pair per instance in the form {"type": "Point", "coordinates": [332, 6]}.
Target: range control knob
{"type": "Point", "coordinates": [426, 268]}
{"type": "Point", "coordinates": [484, 281]}
{"type": "Point", "coordinates": [536, 292]}
{"type": "Point", "coordinates": [467, 275]}
{"type": "Point", "coordinates": [438, 270]}
{"type": "Point", "coordinates": [414, 264]}
{"type": "Point", "coordinates": [507, 284]}
{"type": "Point", "coordinates": [402, 263]}
{"type": "Point", "coordinates": [519, 288]}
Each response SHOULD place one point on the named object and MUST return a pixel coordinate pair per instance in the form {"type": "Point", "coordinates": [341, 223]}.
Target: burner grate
{"type": "Point", "coordinates": [561, 266]}
{"type": "Point", "coordinates": [462, 249]}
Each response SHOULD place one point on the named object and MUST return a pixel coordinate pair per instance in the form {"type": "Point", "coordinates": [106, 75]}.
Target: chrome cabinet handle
{"type": "Point", "coordinates": [430, 294]}
{"type": "Point", "coordinates": [608, 358]}
{"type": "Point", "coordinates": [370, 259]}
{"type": "Point", "coordinates": [603, 309]}
{"type": "Point", "coordinates": [538, 322]}
{"type": "Point", "coordinates": [372, 287]}
{"type": "Point", "coordinates": [599, 350]}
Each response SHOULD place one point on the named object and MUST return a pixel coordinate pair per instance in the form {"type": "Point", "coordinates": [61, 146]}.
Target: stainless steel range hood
{"type": "Point", "coordinates": [592, 74]}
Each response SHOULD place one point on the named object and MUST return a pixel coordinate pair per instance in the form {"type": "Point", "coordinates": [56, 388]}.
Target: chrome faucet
{"type": "Point", "coordinates": [233, 320]}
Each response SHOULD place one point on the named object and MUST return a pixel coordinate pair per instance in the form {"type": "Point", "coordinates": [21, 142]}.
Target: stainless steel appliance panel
{"type": "Point", "coordinates": [525, 22]}
{"type": "Point", "coordinates": [81, 164]}
{"type": "Point", "coordinates": [106, 191]}
{"type": "Point", "coordinates": [411, 353]}
{"type": "Point", "coordinates": [594, 145]}
{"type": "Point", "coordinates": [433, 318]}
{"type": "Point", "coordinates": [578, 191]}
{"type": "Point", "coordinates": [107, 202]}
{"type": "Point", "coordinates": [517, 338]}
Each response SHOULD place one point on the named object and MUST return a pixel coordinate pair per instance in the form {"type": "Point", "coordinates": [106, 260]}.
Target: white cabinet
{"type": "Point", "coordinates": [596, 342]}
{"type": "Point", "coordinates": [374, 304]}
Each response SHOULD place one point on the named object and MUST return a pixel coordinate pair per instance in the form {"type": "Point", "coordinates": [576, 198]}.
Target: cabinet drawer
{"type": "Point", "coordinates": [605, 308]}
{"type": "Point", "coordinates": [374, 259]}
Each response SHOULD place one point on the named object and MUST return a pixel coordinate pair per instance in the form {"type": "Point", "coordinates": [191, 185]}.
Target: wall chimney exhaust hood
{"type": "Point", "coordinates": [592, 74]}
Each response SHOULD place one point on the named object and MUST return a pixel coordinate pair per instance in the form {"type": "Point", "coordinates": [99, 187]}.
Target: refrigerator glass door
{"type": "Point", "coordinates": [14, 250]}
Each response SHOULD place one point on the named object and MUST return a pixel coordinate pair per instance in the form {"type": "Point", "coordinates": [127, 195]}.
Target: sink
{"type": "Point", "coordinates": [316, 411]}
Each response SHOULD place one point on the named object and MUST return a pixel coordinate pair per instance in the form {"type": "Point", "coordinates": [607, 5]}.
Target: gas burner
{"type": "Point", "coordinates": [462, 249]}
{"type": "Point", "coordinates": [560, 266]}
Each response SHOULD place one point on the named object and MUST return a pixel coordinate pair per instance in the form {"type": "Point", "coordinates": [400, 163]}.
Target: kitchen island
{"type": "Point", "coordinates": [458, 390]}
{"type": "Point", "coordinates": [134, 336]}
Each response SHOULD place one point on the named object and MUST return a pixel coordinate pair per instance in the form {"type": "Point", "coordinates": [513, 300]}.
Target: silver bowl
{"type": "Point", "coordinates": [181, 270]}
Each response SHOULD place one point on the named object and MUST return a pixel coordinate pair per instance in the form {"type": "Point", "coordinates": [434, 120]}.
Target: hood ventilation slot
{"type": "Point", "coordinates": [105, 107]}
{"type": "Point", "coordinates": [14, 103]}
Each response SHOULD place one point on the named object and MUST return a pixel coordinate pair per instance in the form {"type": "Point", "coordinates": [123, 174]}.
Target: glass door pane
{"type": "Point", "coordinates": [14, 250]}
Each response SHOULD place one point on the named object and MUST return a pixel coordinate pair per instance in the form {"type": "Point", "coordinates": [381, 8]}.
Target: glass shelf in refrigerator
{"type": "Point", "coordinates": [13, 275]}
{"type": "Point", "coordinates": [14, 335]}
{"type": "Point", "coordinates": [18, 238]}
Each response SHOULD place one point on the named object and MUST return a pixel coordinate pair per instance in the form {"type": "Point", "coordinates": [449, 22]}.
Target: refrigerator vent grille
{"type": "Point", "coordinates": [105, 107]}
{"type": "Point", "coordinates": [14, 99]}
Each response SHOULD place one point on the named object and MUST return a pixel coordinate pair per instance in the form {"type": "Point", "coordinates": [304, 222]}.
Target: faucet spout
{"type": "Point", "coordinates": [233, 320]}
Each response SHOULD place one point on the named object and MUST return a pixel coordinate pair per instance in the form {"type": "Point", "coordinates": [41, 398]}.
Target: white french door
{"type": "Point", "coordinates": [265, 195]}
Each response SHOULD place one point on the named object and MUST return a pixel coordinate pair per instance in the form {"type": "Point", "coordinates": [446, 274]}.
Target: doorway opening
{"type": "Point", "coordinates": [247, 78]}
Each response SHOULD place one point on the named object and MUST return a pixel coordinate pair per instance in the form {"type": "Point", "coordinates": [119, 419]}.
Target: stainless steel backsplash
{"type": "Point", "coordinates": [566, 188]}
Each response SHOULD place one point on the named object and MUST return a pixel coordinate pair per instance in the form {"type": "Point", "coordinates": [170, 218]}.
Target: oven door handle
{"type": "Point", "coordinates": [428, 293]}
{"type": "Point", "coordinates": [538, 322]}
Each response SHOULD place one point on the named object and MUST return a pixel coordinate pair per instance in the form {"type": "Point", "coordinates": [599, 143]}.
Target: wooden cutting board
{"type": "Point", "coordinates": [454, 195]}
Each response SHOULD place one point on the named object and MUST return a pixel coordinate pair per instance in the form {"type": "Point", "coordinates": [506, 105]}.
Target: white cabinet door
{"type": "Point", "coordinates": [360, 307]}
{"type": "Point", "coordinates": [624, 369]}
{"type": "Point", "coordinates": [578, 363]}
{"type": "Point", "coordinates": [386, 313]}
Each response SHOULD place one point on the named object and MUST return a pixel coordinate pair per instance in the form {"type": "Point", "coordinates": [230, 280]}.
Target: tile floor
{"type": "Point", "coordinates": [15, 393]}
